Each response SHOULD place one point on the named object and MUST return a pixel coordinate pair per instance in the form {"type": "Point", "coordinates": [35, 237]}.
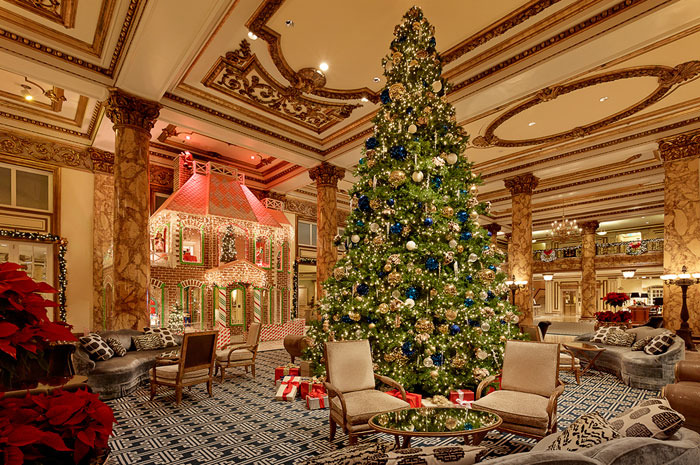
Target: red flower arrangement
{"type": "Point", "coordinates": [63, 426]}
{"type": "Point", "coordinates": [616, 299]}
{"type": "Point", "coordinates": [614, 317]}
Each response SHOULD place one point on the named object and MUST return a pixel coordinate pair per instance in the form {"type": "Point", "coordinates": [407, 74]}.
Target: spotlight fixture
{"type": "Point", "coordinates": [289, 23]}
{"type": "Point", "coordinates": [323, 66]}
{"type": "Point", "coordinates": [49, 94]}
{"type": "Point", "coordinates": [531, 123]}
{"type": "Point", "coordinates": [376, 79]}
{"type": "Point", "coordinates": [364, 100]}
{"type": "Point", "coordinates": [26, 93]}
{"type": "Point", "coordinates": [547, 277]}
{"type": "Point", "coordinates": [252, 35]}
{"type": "Point", "coordinates": [628, 273]}
{"type": "Point", "coordinates": [602, 99]}
{"type": "Point", "coordinates": [171, 131]}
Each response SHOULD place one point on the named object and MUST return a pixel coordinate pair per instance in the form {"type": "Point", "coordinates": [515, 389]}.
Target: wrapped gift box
{"type": "Point", "coordinates": [464, 403]}
{"type": "Point", "coordinates": [436, 401]}
{"type": "Point", "coordinates": [287, 370]}
{"type": "Point", "coordinates": [317, 399]}
{"type": "Point", "coordinates": [287, 390]}
{"type": "Point", "coordinates": [305, 368]}
{"type": "Point", "coordinates": [461, 394]}
{"type": "Point", "coordinates": [310, 384]}
{"type": "Point", "coordinates": [414, 400]}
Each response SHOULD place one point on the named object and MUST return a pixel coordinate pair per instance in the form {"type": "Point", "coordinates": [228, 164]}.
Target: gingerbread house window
{"type": "Point", "coordinates": [191, 239]}
{"type": "Point", "coordinates": [191, 297]}
{"type": "Point", "coordinates": [237, 302]}
{"type": "Point", "coordinates": [160, 246]}
{"type": "Point", "coordinates": [262, 251]}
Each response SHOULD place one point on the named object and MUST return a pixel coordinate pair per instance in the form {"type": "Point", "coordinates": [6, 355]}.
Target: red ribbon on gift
{"type": "Point", "coordinates": [414, 400]}
{"type": "Point", "coordinates": [317, 392]}
{"type": "Point", "coordinates": [288, 387]}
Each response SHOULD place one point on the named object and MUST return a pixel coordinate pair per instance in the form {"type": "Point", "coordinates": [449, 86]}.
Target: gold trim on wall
{"type": "Point", "coordinates": [58, 11]}
{"type": "Point", "coordinates": [77, 120]}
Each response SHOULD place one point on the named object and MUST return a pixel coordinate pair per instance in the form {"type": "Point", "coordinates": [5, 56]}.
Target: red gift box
{"type": "Point", "coordinates": [461, 394]}
{"type": "Point", "coordinates": [308, 385]}
{"type": "Point", "coordinates": [287, 370]}
{"type": "Point", "coordinates": [414, 400]}
{"type": "Point", "coordinates": [316, 399]}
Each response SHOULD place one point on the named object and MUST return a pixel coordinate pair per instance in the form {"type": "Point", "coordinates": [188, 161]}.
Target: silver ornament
{"type": "Point", "coordinates": [410, 245]}
{"type": "Point", "coordinates": [437, 86]}
{"type": "Point", "coordinates": [355, 238]}
{"type": "Point", "coordinates": [451, 159]}
{"type": "Point", "coordinates": [485, 327]}
{"type": "Point", "coordinates": [428, 362]}
{"type": "Point", "coordinates": [417, 176]}
{"type": "Point", "coordinates": [472, 258]}
{"type": "Point", "coordinates": [374, 227]}
{"type": "Point", "coordinates": [410, 303]}
{"type": "Point", "coordinates": [453, 244]}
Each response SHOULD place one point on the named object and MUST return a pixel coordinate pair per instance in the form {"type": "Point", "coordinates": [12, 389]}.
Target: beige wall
{"type": "Point", "coordinates": [76, 227]}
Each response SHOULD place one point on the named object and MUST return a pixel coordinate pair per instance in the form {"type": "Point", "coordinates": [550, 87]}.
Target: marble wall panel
{"type": "Point", "coordinates": [588, 278]}
{"type": "Point", "coordinates": [102, 240]}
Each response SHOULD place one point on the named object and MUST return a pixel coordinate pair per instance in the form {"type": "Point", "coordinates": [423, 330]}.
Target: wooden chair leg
{"type": "Point", "coordinates": [209, 385]}
{"type": "Point", "coordinates": [178, 395]}
{"type": "Point", "coordinates": [153, 388]}
{"type": "Point", "coordinates": [352, 439]}
{"type": "Point", "coordinates": [252, 368]}
{"type": "Point", "coordinates": [577, 373]}
{"type": "Point", "coordinates": [332, 427]}
{"type": "Point", "coordinates": [246, 368]}
{"type": "Point", "coordinates": [223, 373]}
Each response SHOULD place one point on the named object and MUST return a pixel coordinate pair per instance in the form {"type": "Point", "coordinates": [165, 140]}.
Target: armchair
{"type": "Point", "coordinates": [530, 387]}
{"type": "Point", "coordinates": [351, 388]}
{"type": "Point", "coordinates": [684, 394]}
{"type": "Point", "coordinates": [195, 365]}
{"type": "Point", "coordinates": [240, 355]}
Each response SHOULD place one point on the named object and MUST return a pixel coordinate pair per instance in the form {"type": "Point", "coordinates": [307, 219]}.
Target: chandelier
{"type": "Point", "coordinates": [564, 230]}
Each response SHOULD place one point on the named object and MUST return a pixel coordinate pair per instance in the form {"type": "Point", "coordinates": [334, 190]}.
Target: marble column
{"type": "Point", "coordinates": [326, 177]}
{"type": "Point", "coordinates": [681, 157]}
{"type": "Point", "coordinates": [549, 297]}
{"type": "Point", "coordinates": [509, 253]}
{"type": "Point", "coordinates": [102, 229]}
{"type": "Point", "coordinates": [588, 277]}
{"type": "Point", "coordinates": [133, 120]}
{"type": "Point", "coordinates": [521, 188]}
{"type": "Point", "coordinates": [493, 228]}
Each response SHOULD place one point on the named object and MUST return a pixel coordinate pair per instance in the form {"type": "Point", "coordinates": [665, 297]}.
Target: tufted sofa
{"type": "Point", "coordinates": [636, 368]}
{"type": "Point", "coordinates": [118, 376]}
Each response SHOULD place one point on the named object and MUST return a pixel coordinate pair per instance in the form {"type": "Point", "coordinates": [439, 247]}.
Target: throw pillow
{"type": "Point", "coordinates": [586, 431]}
{"type": "Point", "coordinates": [659, 344]}
{"type": "Point", "coordinates": [349, 455]}
{"type": "Point", "coordinates": [602, 334]}
{"type": "Point", "coordinates": [116, 346]}
{"type": "Point", "coordinates": [641, 343]}
{"type": "Point", "coordinates": [619, 337]}
{"type": "Point", "coordinates": [653, 418]}
{"type": "Point", "coordinates": [147, 342]}
{"type": "Point", "coordinates": [165, 335]}
{"type": "Point", "coordinates": [96, 347]}
{"type": "Point", "coordinates": [453, 455]}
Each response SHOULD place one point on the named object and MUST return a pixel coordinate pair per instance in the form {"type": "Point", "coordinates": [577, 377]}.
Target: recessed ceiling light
{"type": "Point", "coordinates": [188, 137]}
{"type": "Point", "coordinates": [252, 35]}
{"type": "Point", "coordinates": [531, 123]}
{"type": "Point", "coordinates": [323, 66]}
{"type": "Point", "coordinates": [289, 23]}
{"type": "Point", "coordinates": [252, 157]}
{"type": "Point", "coordinates": [364, 99]}
{"type": "Point", "coordinates": [26, 94]}
{"type": "Point", "coordinates": [376, 79]}
{"type": "Point", "coordinates": [603, 99]}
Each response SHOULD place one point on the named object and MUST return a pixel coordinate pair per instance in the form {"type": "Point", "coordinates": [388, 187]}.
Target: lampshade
{"type": "Point", "coordinates": [628, 273]}
{"type": "Point", "coordinates": [547, 277]}
{"type": "Point", "coordinates": [658, 300]}
{"type": "Point", "coordinates": [634, 295]}
{"type": "Point", "coordinates": [644, 295]}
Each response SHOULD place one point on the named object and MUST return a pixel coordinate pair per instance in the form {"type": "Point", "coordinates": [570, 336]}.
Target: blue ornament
{"type": "Point", "coordinates": [402, 39]}
{"type": "Point", "coordinates": [390, 202]}
{"type": "Point", "coordinates": [492, 267]}
{"type": "Point", "coordinates": [437, 359]}
{"type": "Point", "coordinates": [428, 221]}
{"type": "Point", "coordinates": [360, 223]}
{"type": "Point", "coordinates": [384, 96]}
{"type": "Point", "coordinates": [432, 42]}
{"type": "Point", "coordinates": [491, 295]}
{"type": "Point", "coordinates": [468, 427]}
{"type": "Point", "coordinates": [468, 302]}
{"type": "Point", "coordinates": [486, 247]}
{"type": "Point", "coordinates": [382, 273]}
{"type": "Point", "coordinates": [465, 236]}
{"type": "Point", "coordinates": [419, 205]}
{"type": "Point", "coordinates": [454, 329]}
{"type": "Point", "coordinates": [409, 110]}
{"type": "Point", "coordinates": [503, 322]}
{"type": "Point", "coordinates": [362, 161]}
{"type": "Point", "coordinates": [462, 216]}
{"type": "Point", "coordinates": [363, 203]}
{"type": "Point", "coordinates": [431, 264]}
{"type": "Point", "coordinates": [412, 293]}
{"type": "Point", "coordinates": [346, 319]}
{"type": "Point", "coordinates": [371, 143]}
{"type": "Point", "coordinates": [489, 233]}
{"type": "Point", "coordinates": [407, 348]}
{"type": "Point", "coordinates": [396, 228]}
{"type": "Point", "coordinates": [463, 192]}
{"type": "Point", "coordinates": [436, 182]}
{"type": "Point", "coordinates": [363, 289]}
{"type": "Point", "coordinates": [398, 152]}
{"type": "Point", "coordinates": [469, 278]}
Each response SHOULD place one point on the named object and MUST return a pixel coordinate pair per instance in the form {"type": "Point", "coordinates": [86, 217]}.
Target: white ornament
{"type": "Point", "coordinates": [412, 128]}
{"type": "Point", "coordinates": [483, 295]}
{"type": "Point", "coordinates": [451, 158]}
{"type": "Point", "coordinates": [481, 354]}
{"type": "Point", "coordinates": [409, 303]}
{"type": "Point", "coordinates": [427, 362]}
{"type": "Point", "coordinates": [485, 327]}
{"type": "Point", "coordinates": [472, 258]}
{"type": "Point", "coordinates": [437, 161]}
{"type": "Point", "coordinates": [417, 176]}
{"type": "Point", "coordinates": [374, 227]}
{"type": "Point", "coordinates": [355, 238]}
{"type": "Point", "coordinates": [437, 86]}
{"type": "Point", "coordinates": [453, 244]}
{"type": "Point", "coordinates": [410, 245]}
{"type": "Point", "coordinates": [358, 333]}
{"type": "Point", "coordinates": [516, 318]}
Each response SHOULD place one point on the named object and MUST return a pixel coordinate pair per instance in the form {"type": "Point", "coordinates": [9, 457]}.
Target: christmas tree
{"type": "Point", "coordinates": [176, 321]}
{"type": "Point", "coordinates": [421, 279]}
{"type": "Point", "coordinates": [228, 246]}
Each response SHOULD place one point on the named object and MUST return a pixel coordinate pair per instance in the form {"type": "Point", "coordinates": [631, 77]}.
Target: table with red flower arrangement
{"type": "Point", "coordinates": [586, 352]}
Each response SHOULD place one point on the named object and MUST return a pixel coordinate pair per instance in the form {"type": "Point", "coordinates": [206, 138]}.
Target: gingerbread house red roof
{"type": "Point", "coordinates": [209, 192]}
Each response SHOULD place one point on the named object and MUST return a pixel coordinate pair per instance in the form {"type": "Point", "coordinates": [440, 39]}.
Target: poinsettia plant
{"type": "Point", "coordinates": [616, 299]}
{"type": "Point", "coordinates": [614, 317]}
{"type": "Point", "coordinates": [65, 426]}
{"type": "Point", "coordinates": [25, 328]}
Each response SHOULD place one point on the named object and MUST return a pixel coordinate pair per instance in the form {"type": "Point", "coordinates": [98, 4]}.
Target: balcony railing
{"type": "Point", "coordinates": [613, 248]}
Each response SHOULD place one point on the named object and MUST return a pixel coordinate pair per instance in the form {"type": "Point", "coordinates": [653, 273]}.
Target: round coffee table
{"type": "Point", "coordinates": [437, 422]}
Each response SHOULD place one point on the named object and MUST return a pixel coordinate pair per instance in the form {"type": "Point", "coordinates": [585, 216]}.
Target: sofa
{"type": "Point", "coordinates": [636, 368]}
{"type": "Point", "coordinates": [682, 449]}
{"type": "Point", "coordinates": [684, 394]}
{"type": "Point", "coordinates": [118, 376]}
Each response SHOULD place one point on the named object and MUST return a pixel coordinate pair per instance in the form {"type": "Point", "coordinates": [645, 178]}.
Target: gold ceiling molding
{"type": "Point", "coordinates": [678, 147]}
{"type": "Point", "coordinates": [160, 176]}
{"type": "Point", "coordinates": [92, 127]}
{"type": "Point", "coordinates": [55, 106]}
{"type": "Point", "coordinates": [240, 75]}
{"type": "Point", "coordinates": [76, 120]}
{"type": "Point", "coordinates": [68, 58]}
{"type": "Point", "coordinates": [610, 143]}
{"type": "Point", "coordinates": [44, 150]}
{"type": "Point", "coordinates": [667, 78]}
{"type": "Point", "coordinates": [58, 11]}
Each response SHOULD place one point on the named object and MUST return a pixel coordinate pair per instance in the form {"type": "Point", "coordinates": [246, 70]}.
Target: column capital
{"type": "Point", "coordinates": [589, 227]}
{"type": "Point", "coordinates": [493, 228]}
{"type": "Point", "coordinates": [326, 175]}
{"type": "Point", "coordinates": [522, 183]}
{"type": "Point", "coordinates": [129, 110]}
{"type": "Point", "coordinates": [677, 147]}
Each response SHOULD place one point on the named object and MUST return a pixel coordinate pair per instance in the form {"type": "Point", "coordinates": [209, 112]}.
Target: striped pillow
{"type": "Point", "coordinates": [147, 342]}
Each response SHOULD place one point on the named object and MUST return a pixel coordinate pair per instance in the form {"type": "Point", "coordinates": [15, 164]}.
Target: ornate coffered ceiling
{"type": "Point", "coordinates": [602, 81]}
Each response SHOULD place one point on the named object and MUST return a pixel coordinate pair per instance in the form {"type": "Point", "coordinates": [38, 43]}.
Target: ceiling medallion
{"type": "Point", "coordinates": [564, 230]}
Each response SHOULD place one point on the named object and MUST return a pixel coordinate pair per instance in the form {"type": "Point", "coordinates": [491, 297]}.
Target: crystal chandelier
{"type": "Point", "coordinates": [564, 230]}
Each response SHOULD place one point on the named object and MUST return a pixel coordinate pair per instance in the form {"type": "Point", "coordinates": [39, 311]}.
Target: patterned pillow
{"type": "Point", "coordinates": [641, 343]}
{"type": "Point", "coordinates": [96, 347]}
{"type": "Point", "coordinates": [147, 342]}
{"type": "Point", "coordinates": [586, 431]}
{"type": "Point", "coordinates": [165, 335]}
{"type": "Point", "coordinates": [427, 456]}
{"type": "Point", "coordinates": [653, 418]}
{"type": "Point", "coordinates": [349, 455]}
{"type": "Point", "coordinates": [116, 346]}
{"type": "Point", "coordinates": [619, 337]}
{"type": "Point", "coordinates": [659, 344]}
{"type": "Point", "coordinates": [602, 334]}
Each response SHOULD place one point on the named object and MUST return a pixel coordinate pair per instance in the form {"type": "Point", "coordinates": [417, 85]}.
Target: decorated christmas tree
{"type": "Point", "coordinates": [228, 246]}
{"type": "Point", "coordinates": [421, 279]}
{"type": "Point", "coordinates": [176, 319]}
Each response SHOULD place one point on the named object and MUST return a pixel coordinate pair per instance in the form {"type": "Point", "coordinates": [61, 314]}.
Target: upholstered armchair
{"type": "Point", "coordinates": [684, 394]}
{"type": "Point", "coordinates": [194, 366]}
{"type": "Point", "coordinates": [350, 382]}
{"type": "Point", "coordinates": [240, 355]}
{"type": "Point", "coordinates": [530, 387]}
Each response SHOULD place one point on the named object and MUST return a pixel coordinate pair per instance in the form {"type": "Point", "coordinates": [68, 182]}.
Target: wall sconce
{"type": "Point", "coordinates": [514, 285]}
{"type": "Point", "coordinates": [548, 277]}
{"type": "Point", "coordinates": [628, 273]}
{"type": "Point", "coordinates": [26, 92]}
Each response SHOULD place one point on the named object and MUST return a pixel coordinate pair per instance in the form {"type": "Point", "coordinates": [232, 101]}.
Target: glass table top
{"type": "Point", "coordinates": [429, 420]}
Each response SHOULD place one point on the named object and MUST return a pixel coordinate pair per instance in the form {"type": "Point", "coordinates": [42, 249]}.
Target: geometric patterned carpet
{"type": "Point", "coordinates": [243, 424]}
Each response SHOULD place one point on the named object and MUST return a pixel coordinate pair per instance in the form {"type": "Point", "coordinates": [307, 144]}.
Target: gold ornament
{"type": "Point", "coordinates": [434, 374]}
{"type": "Point", "coordinates": [371, 325]}
{"type": "Point", "coordinates": [396, 90]}
{"type": "Point", "coordinates": [424, 326]}
{"type": "Point", "coordinates": [473, 189]}
{"type": "Point", "coordinates": [447, 212]}
{"type": "Point", "coordinates": [460, 248]}
{"type": "Point", "coordinates": [395, 305]}
{"type": "Point", "coordinates": [389, 357]}
{"type": "Point", "coordinates": [458, 361]}
{"type": "Point", "coordinates": [444, 329]}
{"type": "Point", "coordinates": [450, 423]}
{"type": "Point", "coordinates": [395, 259]}
{"type": "Point", "coordinates": [450, 315]}
{"type": "Point", "coordinates": [474, 215]}
{"type": "Point", "coordinates": [336, 317]}
{"type": "Point", "coordinates": [370, 163]}
{"type": "Point", "coordinates": [394, 278]}
{"type": "Point", "coordinates": [326, 326]}
{"type": "Point", "coordinates": [397, 322]}
{"type": "Point", "coordinates": [422, 121]}
{"type": "Point", "coordinates": [416, 26]}
{"type": "Point", "coordinates": [469, 294]}
{"type": "Point", "coordinates": [422, 54]}
{"type": "Point", "coordinates": [454, 226]}
{"type": "Point", "coordinates": [369, 154]}
{"type": "Point", "coordinates": [397, 177]}
{"type": "Point", "coordinates": [413, 63]}
{"type": "Point", "coordinates": [418, 271]}
{"type": "Point", "coordinates": [383, 308]}
{"type": "Point", "coordinates": [375, 203]}
{"type": "Point", "coordinates": [396, 57]}
{"type": "Point", "coordinates": [503, 338]}
{"type": "Point", "coordinates": [433, 292]}
{"type": "Point", "coordinates": [450, 289]}
{"type": "Point", "coordinates": [427, 110]}
{"type": "Point", "coordinates": [433, 209]}
{"type": "Point", "coordinates": [487, 275]}
{"type": "Point", "coordinates": [339, 273]}
{"type": "Point", "coordinates": [387, 268]}
{"type": "Point", "coordinates": [378, 240]}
